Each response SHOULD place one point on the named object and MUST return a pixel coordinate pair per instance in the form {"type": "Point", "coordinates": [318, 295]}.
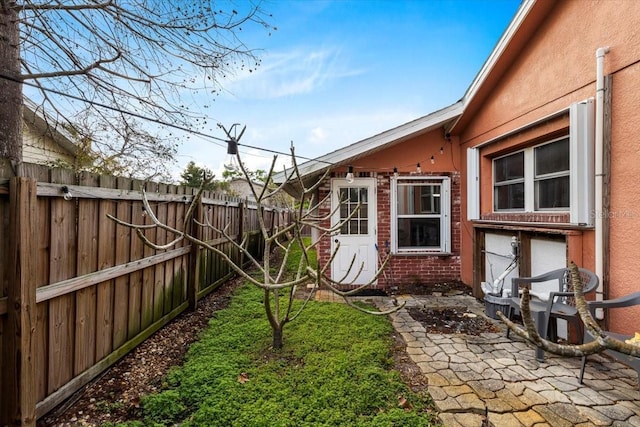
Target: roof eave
{"type": "Point", "coordinates": [377, 142]}
{"type": "Point", "coordinates": [41, 120]}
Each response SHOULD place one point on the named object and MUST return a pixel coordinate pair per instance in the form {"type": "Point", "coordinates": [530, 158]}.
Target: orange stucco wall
{"type": "Point", "coordinates": [554, 67]}
{"type": "Point", "coordinates": [405, 155]}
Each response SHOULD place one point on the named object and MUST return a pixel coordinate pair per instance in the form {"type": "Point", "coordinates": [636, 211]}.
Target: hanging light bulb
{"type": "Point", "coordinates": [418, 168]}
{"type": "Point", "coordinates": [395, 172]}
{"type": "Point", "coordinates": [441, 150]}
{"type": "Point", "coordinates": [231, 161]}
{"type": "Point", "coordinates": [433, 160]}
{"type": "Point", "coordinates": [66, 194]}
{"type": "Point", "coordinates": [349, 176]}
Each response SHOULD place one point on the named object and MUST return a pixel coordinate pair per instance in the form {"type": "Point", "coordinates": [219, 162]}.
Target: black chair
{"type": "Point", "coordinates": [547, 307]}
{"type": "Point", "coordinates": [625, 301]}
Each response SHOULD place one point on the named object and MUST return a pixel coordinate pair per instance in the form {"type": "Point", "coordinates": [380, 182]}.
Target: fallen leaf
{"type": "Point", "coordinates": [403, 403]}
{"type": "Point", "coordinates": [243, 378]}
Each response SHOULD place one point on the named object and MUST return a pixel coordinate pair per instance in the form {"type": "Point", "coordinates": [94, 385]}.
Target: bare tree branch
{"type": "Point", "coordinates": [280, 289]}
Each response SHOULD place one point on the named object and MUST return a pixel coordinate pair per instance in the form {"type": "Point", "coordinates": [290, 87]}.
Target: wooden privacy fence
{"type": "Point", "coordinates": [79, 291]}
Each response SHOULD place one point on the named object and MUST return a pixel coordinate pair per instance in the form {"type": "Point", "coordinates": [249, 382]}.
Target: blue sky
{"type": "Point", "coordinates": [336, 72]}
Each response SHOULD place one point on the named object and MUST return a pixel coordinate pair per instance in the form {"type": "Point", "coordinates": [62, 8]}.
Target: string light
{"type": "Point", "coordinates": [441, 150]}
{"type": "Point", "coordinates": [349, 176]}
{"type": "Point", "coordinates": [433, 159]}
{"type": "Point", "coordinates": [418, 168]}
{"type": "Point", "coordinates": [395, 172]}
{"type": "Point", "coordinates": [66, 194]}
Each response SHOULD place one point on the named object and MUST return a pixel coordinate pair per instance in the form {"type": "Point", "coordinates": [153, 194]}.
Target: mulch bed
{"type": "Point", "coordinates": [451, 320]}
{"type": "Point", "coordinates": [115, 395]}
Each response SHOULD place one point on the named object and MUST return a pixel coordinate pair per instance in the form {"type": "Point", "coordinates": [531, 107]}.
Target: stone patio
{"type": "Point", "coordinates": [476, 380]}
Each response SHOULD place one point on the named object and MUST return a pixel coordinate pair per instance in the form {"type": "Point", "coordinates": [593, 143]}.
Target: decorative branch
{"type": "Point", "coordinates": [602, 341]}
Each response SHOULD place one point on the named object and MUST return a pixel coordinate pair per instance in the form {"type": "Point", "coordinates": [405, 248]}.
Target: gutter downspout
{"type": "Point", "coordinates": [599, 171]}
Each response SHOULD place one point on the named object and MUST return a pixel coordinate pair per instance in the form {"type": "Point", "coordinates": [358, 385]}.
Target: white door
{"type": "Point", "coordinates": [357, 235]}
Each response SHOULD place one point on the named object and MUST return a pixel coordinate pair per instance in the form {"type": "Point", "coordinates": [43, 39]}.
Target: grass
{"type": "Point", "coordinates": [335, 370]}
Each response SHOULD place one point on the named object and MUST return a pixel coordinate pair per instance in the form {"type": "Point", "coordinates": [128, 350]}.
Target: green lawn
{"type": "Point", "coordinates": [335, 370]}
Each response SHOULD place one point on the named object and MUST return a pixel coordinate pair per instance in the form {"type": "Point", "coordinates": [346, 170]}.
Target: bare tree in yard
{"type": "Point", "coordinates": [279, 288]}
{"type": "Point", "coordinates": [156, 59]}
{"type": "Point", "coordinates": [601, 342]}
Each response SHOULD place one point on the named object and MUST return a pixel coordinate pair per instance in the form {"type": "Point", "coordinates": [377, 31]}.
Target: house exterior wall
{"type": "Point", "coordinates": [555, 68]}
{"type": "Point", "coordinates": [415, 269]}
{"type": "Point", "coordinates": [42, 149]}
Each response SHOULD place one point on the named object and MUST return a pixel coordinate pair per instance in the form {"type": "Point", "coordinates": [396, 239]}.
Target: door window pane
{"type": "Point", "coordinates": [354, 210]}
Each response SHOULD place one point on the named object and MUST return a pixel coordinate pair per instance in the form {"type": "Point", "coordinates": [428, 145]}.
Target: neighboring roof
{"type": "Point", "coordinates": [47, 125]}
{"type": "Point", "coordinates": [375, 143]}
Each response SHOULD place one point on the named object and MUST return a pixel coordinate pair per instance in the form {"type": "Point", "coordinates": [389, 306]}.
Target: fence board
{"type": "Point", "coordinates": [62, 266]}
{"type": "Point", "coordinates": [43, 230]}
{"type": "Point", "coordinates": [161, 239]}
{"type": "Point", "coordinates": [178, 267]}
{"type": "Point", "coordinates": [106, 259]}
{"type": "Point", "coordinates": [170, 266]}
{"type": "Point", "coordinates": [135, 280]}
{"type": "Point", "coordinates": [86, 299]}
{"type": "Point", "coordinates": [4, 242]}
{"type": "Point", "coordinates": [121, 288]}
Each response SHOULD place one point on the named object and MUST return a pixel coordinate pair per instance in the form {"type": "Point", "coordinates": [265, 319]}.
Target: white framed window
{"type": "Point", "coordinates": [534, 179]}
{"type": "Point", "coordinates": [557, 175]}
{"type": "Point", "coordinates": [420, 214]}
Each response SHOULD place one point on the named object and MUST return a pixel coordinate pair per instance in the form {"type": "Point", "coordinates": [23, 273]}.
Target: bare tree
{"type": "Point", "coordinates": [116, 145]}
{"type": "Point", "coordinates": [279, 288]}
{"type": "Point", "coordinates": [156, 59]}
{"type": "Point", "coordinates": [601, 342]}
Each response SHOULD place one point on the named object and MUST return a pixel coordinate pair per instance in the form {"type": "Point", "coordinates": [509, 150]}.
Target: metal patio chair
{"type": "Point", "coordinates": [554, 302]}
{"type": "Point", "coordinates": [624, 301]}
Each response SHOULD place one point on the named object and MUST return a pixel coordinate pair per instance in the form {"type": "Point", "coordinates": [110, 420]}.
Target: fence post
{"type": "Point", "coordinates": [19, 385]}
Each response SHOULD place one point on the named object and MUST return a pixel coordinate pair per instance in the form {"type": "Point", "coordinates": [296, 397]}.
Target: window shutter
{"type": "Point", "coordinates": [473, 184]}
{"type": "Point", "coordinates": [581, 179]}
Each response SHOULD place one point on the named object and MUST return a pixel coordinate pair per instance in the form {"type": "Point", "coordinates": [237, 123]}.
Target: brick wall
{"type": "Point", "coordinates": [405, 270]}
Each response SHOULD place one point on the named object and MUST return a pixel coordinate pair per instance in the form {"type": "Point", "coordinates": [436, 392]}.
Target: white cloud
{"type": "Point", "coordinates": [285, 74]}
{"type": "Point", "coordinates": [318, 135]}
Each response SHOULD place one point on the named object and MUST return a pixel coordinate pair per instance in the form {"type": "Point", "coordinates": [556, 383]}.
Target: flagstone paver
{"type": "Point", "coordinates": [476, 381]}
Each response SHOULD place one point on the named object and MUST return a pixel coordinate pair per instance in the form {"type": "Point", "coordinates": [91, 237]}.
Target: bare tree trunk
{"type": "Point", "coordinates": [10, 85]}
{"type": "Point", "coordinates": [277, 337]}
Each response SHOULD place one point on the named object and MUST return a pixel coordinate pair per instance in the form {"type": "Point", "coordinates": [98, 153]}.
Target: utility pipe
{"type": "Point", "coordinates": [599, 168]}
